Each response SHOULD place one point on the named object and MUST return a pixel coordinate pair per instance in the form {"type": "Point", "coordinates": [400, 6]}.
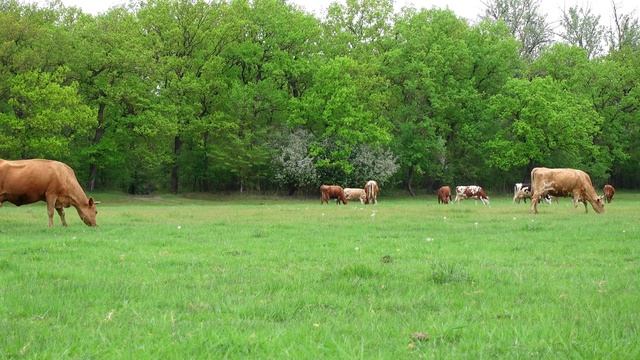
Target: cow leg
{"type": "Point", "coordinates": [51, 203]}
{"type": "Point", "coordinates": [534, 204]}
{"type": "Point", "coordinates": [61, 214]}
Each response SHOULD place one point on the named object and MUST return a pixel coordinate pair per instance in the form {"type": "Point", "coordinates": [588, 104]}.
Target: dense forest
{"type": "Point", "coordinates": [258, 95]}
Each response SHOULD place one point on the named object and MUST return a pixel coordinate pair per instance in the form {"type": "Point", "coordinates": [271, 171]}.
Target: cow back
{"type": "Point", "coordinates": [27, 181]}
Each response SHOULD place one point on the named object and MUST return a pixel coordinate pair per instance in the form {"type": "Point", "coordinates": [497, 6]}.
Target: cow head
{"type": "Point", "coordinates": [88, 212]}
{"type": "Point", "coordinates": [598, 204]}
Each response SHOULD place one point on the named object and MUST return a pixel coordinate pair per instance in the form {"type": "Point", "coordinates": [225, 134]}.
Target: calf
{"type": "Point", "coordinates": [471, 191]}
{"type": "Point", "coordinates": [444, 195]}
{"type": "Point", "coordinates": [609, 191]}
{"type": "Point", "coordinates": [521, 191]}
{"type": "Point", "coordinates": [332, 192]}
{"type": "Point", "coordinates": [355, 193]}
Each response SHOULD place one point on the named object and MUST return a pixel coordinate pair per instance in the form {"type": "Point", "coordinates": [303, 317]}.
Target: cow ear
{"type": "Point", "coordinates": [91, 203]}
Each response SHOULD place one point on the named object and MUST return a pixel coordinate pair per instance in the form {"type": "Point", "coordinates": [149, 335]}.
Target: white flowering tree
{"type": "Point", "coordinates": [373, 164]}
{"type": "Point", "coordinates": [294, 165]}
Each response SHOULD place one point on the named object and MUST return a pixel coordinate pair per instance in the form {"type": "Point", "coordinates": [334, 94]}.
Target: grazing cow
{"type": "Point", "coordinates": [521, 191]}
{"type": "Point", "coordinates": [444, 195]}
{"type": "Point", "coordinates": [372, 190]}
{"type": "Point", "coordinates": [471, 191]}
{"type": "Point", "coordinates": [332, 192]}
{"type": "Point", "coordinates": [609, 191]}
{"type": "Point", "coordinates": [355, 193]}
{"type": "Point", "coordinates": [564, 181]}
{"type": "Point", "coordinates": [28, 181]}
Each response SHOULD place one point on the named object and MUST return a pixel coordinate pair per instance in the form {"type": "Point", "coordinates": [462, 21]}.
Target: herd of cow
{"type": "Point", "coordinates": [28, 181]}
{"type": "Point", "coordinates": [546, 184]}
{"type": "Point", "coordinates": [368, 195]}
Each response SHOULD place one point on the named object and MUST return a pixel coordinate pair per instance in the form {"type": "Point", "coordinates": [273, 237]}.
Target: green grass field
{"type": "Point", "coordinates": [171, 277]}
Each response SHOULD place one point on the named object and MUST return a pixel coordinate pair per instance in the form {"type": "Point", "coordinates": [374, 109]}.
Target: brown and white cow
{"type": "Point", "coordinates": [522, 191]}
{"type": "Point", "coordinates": [471, 191]}
{"type": "Point", "coordinates": [332, 192]}
{"type": "Point", "coordinates": [372, 190]}
{"type": "Point", "coordinates": [355, 194]}
{"type": "Point", "coordinates": [28, 181]}
{"type": "Point", "coordinates": [609, 191]}
{"type": "Point", "coordinates": [564, 181]}
{"type": "Point", "coordinates": [444, 195]}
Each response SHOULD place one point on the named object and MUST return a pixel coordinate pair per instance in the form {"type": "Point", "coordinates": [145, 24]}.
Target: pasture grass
{"type": "Point", "coordinates": [175, 277]}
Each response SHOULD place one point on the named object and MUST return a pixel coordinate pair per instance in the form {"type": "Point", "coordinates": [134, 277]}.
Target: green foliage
{"type": "Point", "coordinates": [187, 95]}
{"type": "Point", "coordinates": [45, 116]}
{"type": "Point", "coordinates": [539, 123]}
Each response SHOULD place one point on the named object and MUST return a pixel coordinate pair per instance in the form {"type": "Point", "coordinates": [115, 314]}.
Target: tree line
{"type": "Point", "coordinates": [240, 95]}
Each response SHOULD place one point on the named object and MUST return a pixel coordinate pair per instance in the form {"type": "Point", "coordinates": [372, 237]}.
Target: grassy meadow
{"type": "Point", "coordinates": [248, 277]}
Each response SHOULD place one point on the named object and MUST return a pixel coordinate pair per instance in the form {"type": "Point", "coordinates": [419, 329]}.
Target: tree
{"type": "Point", "coordinates": [344, 107]}
{"type": "Point", "coordinates": [295, 167]}
{"type": "Point", "coordinates": [625, 31]}
{"type": "Point", "coordinates": [269, 71]}
{"type": "Point", "coordinates": [183, 35]}
{"type": "Point", "coordinates": [565, 63]}
{"type": "Point", "coordinates": [614, 89]}
{"type": "Point", "coordinates": [373, 163]}
{"type": "Point", "coordinates": [44, 117]}
{"type": "Point", "coordinates": [359, 28]}
{"type": "Point", "coordinates": [440, 70]}
{"type": "Point", "coordinates": [582, 28]}
{"type": "Point", "coordinates": [523, 19]}
{"type": "Point", "coordinates": [540, 123]}
{"type": "Point", "coordinates": [111, 63]}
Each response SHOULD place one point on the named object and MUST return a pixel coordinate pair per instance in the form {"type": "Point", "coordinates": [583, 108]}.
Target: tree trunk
{"type": "Point", "coordinates": [410, 181]}
{"type": "Point", "coordinates": [205, 172]}
{"type": "Point", "coordinates": [177, 145]}
{"type": "Point", "coordinates": [100, 130]}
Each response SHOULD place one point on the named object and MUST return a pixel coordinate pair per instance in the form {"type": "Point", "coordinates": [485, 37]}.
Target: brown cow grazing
{"type": "Point", "coordinates": [28, 181]}
{"type": "Point", "coordinates": [471, 191]}
{"type": "Point", "coordinates": [355, 194]}
{"type": "Point", "coordinates": [372, 190]}
{"type": "Point", "coordinates": [564, 181]}
{"type": "Point", "coordinates": [609, 191]}
{"type": "Point", "coordinates": [444, 195]}
{"type": "Point", "coordinates": [332, 192]}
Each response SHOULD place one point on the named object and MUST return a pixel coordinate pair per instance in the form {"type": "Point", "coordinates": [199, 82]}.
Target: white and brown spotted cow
{"type": "Point", "coordinates": [521, 191]}
{"type": "Point", "coordinates": [471, 191]}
